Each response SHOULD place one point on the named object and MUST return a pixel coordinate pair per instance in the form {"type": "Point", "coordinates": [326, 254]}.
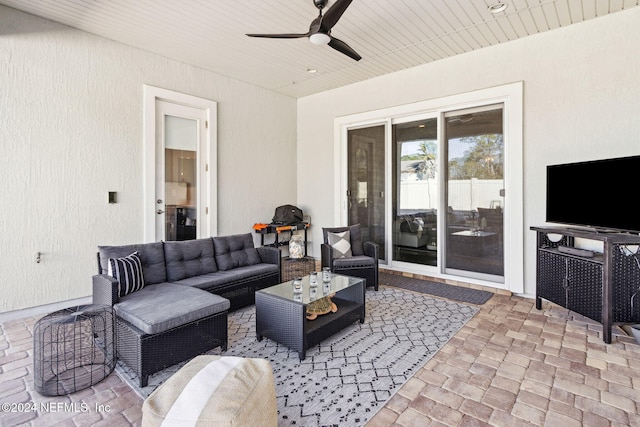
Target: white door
{"type": "Point", "coordinates": [179, 171]}
{"type": "Point", "coordinates": [180, 196]}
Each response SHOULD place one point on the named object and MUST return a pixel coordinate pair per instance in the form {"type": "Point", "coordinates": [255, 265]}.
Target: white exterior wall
{"type": "Point", "coordinates": [581, 98]}
{"type": "Point", "coordinates": [71, 110]}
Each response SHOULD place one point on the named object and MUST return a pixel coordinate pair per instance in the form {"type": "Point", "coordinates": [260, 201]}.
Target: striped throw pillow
{"type": "Point", "coordinates": [128, 272]}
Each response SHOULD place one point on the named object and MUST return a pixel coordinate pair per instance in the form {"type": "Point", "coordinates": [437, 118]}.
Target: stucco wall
{"type": "Point", "coordinates": [71, 110]}
{"type": "Point", "coordinates": [581, 102]}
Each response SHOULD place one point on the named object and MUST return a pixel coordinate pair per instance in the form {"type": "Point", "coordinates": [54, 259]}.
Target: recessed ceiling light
{"type": "Point", "coordinates": [497, 7]}
{"type": "Point", "coordinates": [311, 70]}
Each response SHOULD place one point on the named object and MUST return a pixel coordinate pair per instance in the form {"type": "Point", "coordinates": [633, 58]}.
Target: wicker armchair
{"type": "Point", "coordinates": [364, 260]}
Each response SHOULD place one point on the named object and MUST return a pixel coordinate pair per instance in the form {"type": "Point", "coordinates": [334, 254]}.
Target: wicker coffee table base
{"type": "Point", "coordinates": [284, 320]}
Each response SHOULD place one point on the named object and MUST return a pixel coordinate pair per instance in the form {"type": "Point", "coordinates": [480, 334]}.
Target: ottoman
{"type": "Point", "coordinates": [215, 391]}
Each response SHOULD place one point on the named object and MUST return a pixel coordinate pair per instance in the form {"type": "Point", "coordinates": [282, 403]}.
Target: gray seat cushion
{"type": "Point", "coordinates": [151, 256]}
{"type": "Point", "coordinates": [204, 281]}
{"type": "Point", "coordinates": [355, 261]}
{"type": "Point", "coordinates": [158, 308]}
{"type": "Point", "coordinates": [221, 278]}
{"type": "Point", "coordinates": [248, 272]}
{"type": "Point", "coordinates": [189, 258]}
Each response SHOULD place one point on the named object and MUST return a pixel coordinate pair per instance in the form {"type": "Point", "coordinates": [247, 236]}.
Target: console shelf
{"type": "Point", "coordinates": [600, 287]}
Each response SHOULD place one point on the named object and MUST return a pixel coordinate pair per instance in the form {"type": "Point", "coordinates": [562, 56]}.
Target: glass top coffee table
{"type": "Point", "coordinates": [281, 313]}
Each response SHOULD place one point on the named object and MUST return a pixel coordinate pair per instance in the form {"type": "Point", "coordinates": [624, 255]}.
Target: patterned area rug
{"type": "Point", "coordinates": [456, 293]}
{"type": "Point", "coordinates": [346, 379]}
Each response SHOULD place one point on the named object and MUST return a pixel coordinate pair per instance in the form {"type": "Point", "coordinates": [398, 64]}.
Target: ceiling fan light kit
{"type": "Point", "coordinates": [319, 39]}
{"type": "Point", "coordinates": [320, 29]}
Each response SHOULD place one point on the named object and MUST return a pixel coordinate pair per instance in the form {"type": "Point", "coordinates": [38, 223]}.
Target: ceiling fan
{"type": "Point", "coordinates": [320, 29]}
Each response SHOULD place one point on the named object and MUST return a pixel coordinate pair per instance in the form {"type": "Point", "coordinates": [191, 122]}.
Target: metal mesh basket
{"type": "Point", "coordinates": [74, 348]}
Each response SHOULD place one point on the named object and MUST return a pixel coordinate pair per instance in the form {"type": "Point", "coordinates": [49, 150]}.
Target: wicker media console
{"type": "Point", "coordinates": [599, 286]}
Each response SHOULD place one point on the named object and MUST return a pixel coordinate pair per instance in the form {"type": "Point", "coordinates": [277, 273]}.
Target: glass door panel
{"type": "Point", "coordinates": [415, 191]}
{"type": "Point", "coordinates": [366, 183]}
{"type": "Point", "coordinates": [180, 178]}
{"type": "Point", "coordinates": [475, 191]}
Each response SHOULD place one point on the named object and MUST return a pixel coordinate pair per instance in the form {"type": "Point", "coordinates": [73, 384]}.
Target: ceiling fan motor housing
{"type": "Point", "coordinates": [320, 4]}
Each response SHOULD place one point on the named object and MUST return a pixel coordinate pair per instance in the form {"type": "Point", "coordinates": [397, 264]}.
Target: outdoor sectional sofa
{"type": "Point", "coordinates": [172, 299]}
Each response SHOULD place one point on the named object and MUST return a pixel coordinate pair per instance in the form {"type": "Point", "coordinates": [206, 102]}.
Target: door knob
{"type": "Point", "coordinates": [159, 211]}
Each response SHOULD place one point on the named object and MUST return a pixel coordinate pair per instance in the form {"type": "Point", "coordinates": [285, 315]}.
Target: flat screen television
{"type": "Point", "coordinates": [600, 194]}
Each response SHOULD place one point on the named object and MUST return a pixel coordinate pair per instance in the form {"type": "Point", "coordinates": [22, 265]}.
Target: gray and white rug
{"type": "Point", "coordinates": [346, 379]}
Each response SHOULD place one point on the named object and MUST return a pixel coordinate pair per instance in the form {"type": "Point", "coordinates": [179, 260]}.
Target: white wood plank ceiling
{"type": "Point", "coordinates": [390, 35]}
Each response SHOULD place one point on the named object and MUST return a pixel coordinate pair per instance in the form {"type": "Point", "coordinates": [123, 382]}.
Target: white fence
{"type": "Point", "coordinates": [465, 195]}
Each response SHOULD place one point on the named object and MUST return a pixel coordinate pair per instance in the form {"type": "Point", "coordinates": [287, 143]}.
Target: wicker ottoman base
{"type": "Point", "coordinates": [215, 391]}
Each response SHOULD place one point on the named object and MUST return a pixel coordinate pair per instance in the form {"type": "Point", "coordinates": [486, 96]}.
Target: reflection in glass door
{"type": "Point", "coordinates": [366, 183]}
{"type": "Point", "coordinates": [180, 187]}
{"type": "Point", "coordinates": [415, 192]}
{"type": "Point", "coordinates": [177, 172]}
{"type": "Point", "coordinates": [475, 190]}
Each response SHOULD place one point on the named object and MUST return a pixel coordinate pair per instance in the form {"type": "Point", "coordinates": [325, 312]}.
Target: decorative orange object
{"type": "Point", "coordinates": [260, 226]}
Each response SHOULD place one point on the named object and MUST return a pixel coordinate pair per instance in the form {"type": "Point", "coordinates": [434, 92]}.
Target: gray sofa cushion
{"type": "Point", "coordinates": [164, 306]}
{"type": "Point", "coordinates": [221, 279]}
{"type": "Point", "coordinates": [189, 258]}
{"type": "Point", "coordinates": [204, 281]}
{"type": "Point", "coordinates": [151, 256]}
{"type": "Point", "coordinates": [235, 251]}
{"type": "Point", "coordinates": [248, 272]}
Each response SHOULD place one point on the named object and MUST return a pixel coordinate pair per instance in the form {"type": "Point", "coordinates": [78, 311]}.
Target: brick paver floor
{"type": "Point", "coordinates": [511, 365]}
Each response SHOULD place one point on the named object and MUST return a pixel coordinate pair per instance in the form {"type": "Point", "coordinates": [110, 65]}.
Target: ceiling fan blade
{"type": "Point", "coordinates": [334, 13]}
{"type": "Point", "coordinates": [279, 36]}
{"type": "Point", "coordinates": [342, 47]}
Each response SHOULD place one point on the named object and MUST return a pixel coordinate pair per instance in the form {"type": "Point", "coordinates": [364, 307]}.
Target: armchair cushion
{"type": "Point", "coordinates": [340, 244]}
{"type": "Point", "coordinates": [355, 261]}
{"type": "Point", "coordinates": [128, 272]}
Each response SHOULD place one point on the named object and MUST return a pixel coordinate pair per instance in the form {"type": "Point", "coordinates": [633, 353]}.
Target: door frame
{"type": "Point", "coordinates": [151, 94]}
{"type": "Point", "coordinates": [511, 96]}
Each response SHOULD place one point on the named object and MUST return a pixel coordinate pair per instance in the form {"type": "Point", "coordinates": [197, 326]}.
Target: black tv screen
{"type": "Point", "coordinates": [600, 194]}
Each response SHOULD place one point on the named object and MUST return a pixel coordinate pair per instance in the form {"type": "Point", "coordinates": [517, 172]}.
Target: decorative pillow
{"type": "Point", "coordinates": [128, 272]}
{"type": "Point", "coordinates": [340, 243]}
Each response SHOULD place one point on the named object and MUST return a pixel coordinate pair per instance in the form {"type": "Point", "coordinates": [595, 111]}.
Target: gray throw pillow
{"type": "Point", "coordinates": [340, 244]}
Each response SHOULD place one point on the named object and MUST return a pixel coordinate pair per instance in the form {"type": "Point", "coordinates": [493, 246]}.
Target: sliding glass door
{"type": "Point", "coordinates": [474, 144]}
{"type": "Point", "coordinates": [366, 183]}
{"type": "Point", "coordinates": [452, 172]}
{"type": "Point", "coordinates": [415, 191]}
{"type": "Point", "coordinates": [447, 198]}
